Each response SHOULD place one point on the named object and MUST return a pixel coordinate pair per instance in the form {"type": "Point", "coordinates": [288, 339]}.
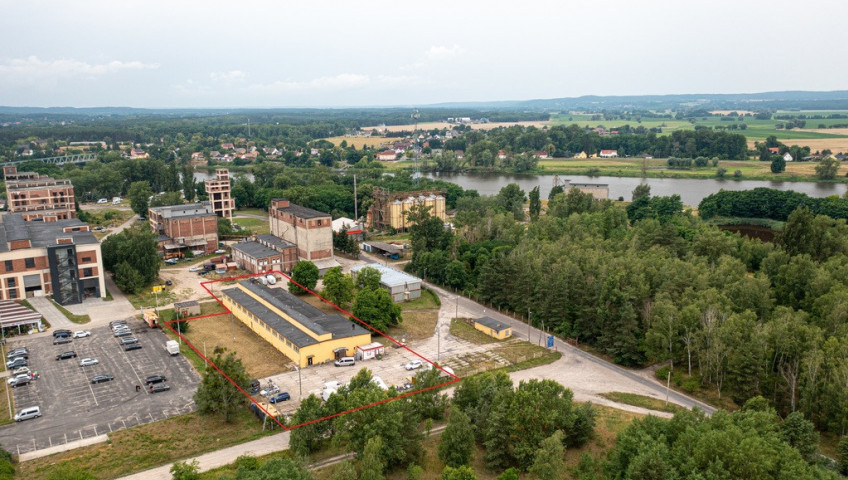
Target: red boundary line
{"type": "Point", "coordinates": [228, 311]}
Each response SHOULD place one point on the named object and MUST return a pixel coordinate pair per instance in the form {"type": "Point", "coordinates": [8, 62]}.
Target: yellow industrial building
{"type": "Point", "coordinates": [493, 328]}
{"type": "Point", "coordinates": [303, 333]}
{"type": "Point", "coordinates": [392, 209]}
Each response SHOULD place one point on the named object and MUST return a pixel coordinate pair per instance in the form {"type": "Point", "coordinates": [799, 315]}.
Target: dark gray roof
{"type": "Point", "coordinates": [41, 234]}
{"type": "Point", "coordinates": [302, 212]}
{"type": "Point", "coordinates": [163, 238]}
{"type": "Point", "coordinates": [275, 241]}
{"type": "Point", "coordinates": [308, 316]}
{"type": "Point", "coordinates": [386, 247]}
{"type": "Point", "coordinates": [187, 303]}
{"type": "Point", "coordinates": [497, 325]}
{"type": "Point", "coordinates": [254, 249]}
{"type": "Point", "coordinates": [278, 323]}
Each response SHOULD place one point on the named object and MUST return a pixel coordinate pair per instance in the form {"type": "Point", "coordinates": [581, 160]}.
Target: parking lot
{"type": "Point", "coordinates": [73, 408]}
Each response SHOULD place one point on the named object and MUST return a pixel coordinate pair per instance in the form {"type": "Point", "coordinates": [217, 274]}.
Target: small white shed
{"type": "Point", "coordinates": [367, 352]}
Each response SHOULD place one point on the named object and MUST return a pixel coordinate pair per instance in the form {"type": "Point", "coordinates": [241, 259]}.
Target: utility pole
{"type": "Point", "coordinates": [528, 324]}
{"type": "Point", "coordinates": [355, 203]}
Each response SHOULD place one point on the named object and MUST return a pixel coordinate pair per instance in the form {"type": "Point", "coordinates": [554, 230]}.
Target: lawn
{"type": "Point", "coordinates": [6, 394]}
{"type": "Point", "coordinates": [80, 319]}
{"type": "Point", "coordinates": [642, 401]}
{"type": "Point", "coordinates": [149, 299]}
{"type": "Point", "coordinates": [260, 359]}
{"type": "Point", "coordinates": [251, 211]}
{"type": "Point", "coordinates": [254, 225]}
{"type": "Point", "coordinates": [146, 446]}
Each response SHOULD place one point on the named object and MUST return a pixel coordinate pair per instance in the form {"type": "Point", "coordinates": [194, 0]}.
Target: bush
{"type": "Point", "coordinates": [662, 373]}
{"type": "Point", "coordinates": [690, 385]}
{"type": "Point", "coordinates": [720, 172]}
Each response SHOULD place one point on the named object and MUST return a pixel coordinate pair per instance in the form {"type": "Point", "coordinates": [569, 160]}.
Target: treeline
{"type": "Point", "coordinates": [653, 284]}
{"type": "Point", "coordinates": [565, 141]}
{"type": "Point", "coordinates": [769, 203]}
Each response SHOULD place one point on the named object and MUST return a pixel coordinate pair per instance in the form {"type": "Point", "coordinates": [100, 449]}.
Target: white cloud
{"type": "Point", "coordinates": [34, 68]}
{"type": "Point", "coordinates": [441, 52]}
{"type": "Point", "coordinates": [228, 78]}
{"type": "Point", "coordinates": [337, 82]}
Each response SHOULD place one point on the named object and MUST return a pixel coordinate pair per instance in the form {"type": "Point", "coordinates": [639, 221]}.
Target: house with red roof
{"type": "Point", "coordinates": [608, 153]}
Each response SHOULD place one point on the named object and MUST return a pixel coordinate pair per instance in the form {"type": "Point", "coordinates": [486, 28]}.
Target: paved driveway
{"type": "Point", "coordinates": [74, 409]}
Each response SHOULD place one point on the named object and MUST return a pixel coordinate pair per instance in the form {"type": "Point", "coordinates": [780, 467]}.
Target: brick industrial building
{"type": "Point", "coordinates": [192, 226]}
{"type": "Point", "coordinates": [265, 253]}
{"type": "Point", "coordinates": [310, 230]}
{"type": "Point", "coordinates": [39, 197]}
{"type": "Point", "coordinates": [220, 195]}
{"type": "Point", "coordinates": [60, 257]}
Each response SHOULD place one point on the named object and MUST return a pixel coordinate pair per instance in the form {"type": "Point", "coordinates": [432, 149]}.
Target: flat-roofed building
{"type": "Point", "coordinates": [61, 258]}
{"type": "Point", "coordinates": [400, 285]}
{"type": "Point", "coordinates": [39, 197]}
{"type": "Point", "coordinates": [265, 253]}
{"type": "Point", "coordinates": [303, 333]}
{"type": "Point", "coordinates": [220, 196]}
{"type": "Point", "coordinates": [193, 226]}
{"type": "Point", "coordinates": [599, 191]}
{"type": "Point", "coordinates": [493, 328]}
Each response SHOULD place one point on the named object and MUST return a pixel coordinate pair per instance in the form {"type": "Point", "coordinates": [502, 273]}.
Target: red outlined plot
{"type": "Point", "coordinates": [453, 377]}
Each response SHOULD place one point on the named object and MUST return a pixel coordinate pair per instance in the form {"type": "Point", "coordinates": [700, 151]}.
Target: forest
{"type": "Point", "coordinates": [652, 283]}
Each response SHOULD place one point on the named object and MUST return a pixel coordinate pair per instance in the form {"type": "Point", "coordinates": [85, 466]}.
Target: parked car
{"type": "Point", "coordinates": [123, 332]}
{"type": "Point", "coordinates": [128, 340]}
{"type": "Point", "coordinates": [62, 333]}
{"type": "Point", "coordinates": [16, 377]}
{"type": "Point", "coordinates": [20, 381]}
{"type": "Point", "coordinates": [413, 365]}
{"type": "Point", "coordinates": [66, 355]}
{"type": "Point", "coordinates": [269, 390]}
{"type": "Point", "coordinates": [16, 362]}
{"type": "Point", "coordinates": [85, 362]}
{"type": "Point", "coordinates": [62, 340]}
{"type": "Point", "coordinates": [159, 387]}
{"type": "Point", "coordinates": [172, 261]}
{"type": "Point", "coordinates": [21, 370]}
{"type": "Point", "coordinates": [254, 387]}
{"type": "Point", "coordinates": [131, 347]}
{"type": "Point", "coordinates": [196, 268]}
{"type": "Point", "coordinates": [115, 323]}
{"type": "Point", "coordinates": [17, 355]}
{"type": "Point", "coordinates": [82, 333]}
{"type": "Point", "coordinates": [17, 352]}
{"type": "Point", "coordinates": [155, 379]}
{"type": "Point", "coordinates": [220, 250]}
{"type": "Point", "coordinates": [280, 397]}
{"type": "Point", "coordinates": [168, 283]}
{"type": "Point", "coordinates": [27, 413]}
{"type": "Point", "coordinates": [102, 378]}
{"type": "Point", "coordinates": [102, 201]}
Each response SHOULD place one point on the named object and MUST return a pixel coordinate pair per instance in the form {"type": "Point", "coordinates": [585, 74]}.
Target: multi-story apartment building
{"type": "Point", "coordinates": [39, 197]}
{"type": "Point", "coordinates": [265, 253]}
{"type": "Point", "coordinates": [220, 197]}
{"type": "Point", "coordinates": [60, 257]}
{"type": "Point", "coordinates": [192, 226]}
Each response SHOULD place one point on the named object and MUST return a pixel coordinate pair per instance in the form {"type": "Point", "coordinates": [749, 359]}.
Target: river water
{"type": "Point", "coordinates": [691, 190]}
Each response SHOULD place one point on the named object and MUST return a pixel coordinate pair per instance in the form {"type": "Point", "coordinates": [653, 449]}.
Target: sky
{"type": "Point", "coordinates": [328, 53]}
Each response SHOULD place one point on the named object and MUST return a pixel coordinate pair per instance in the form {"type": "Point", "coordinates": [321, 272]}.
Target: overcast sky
{"type": "Point", "coordinates": [282, 53]}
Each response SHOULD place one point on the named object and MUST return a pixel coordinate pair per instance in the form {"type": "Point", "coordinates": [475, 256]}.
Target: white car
{"type": "Point", "coordinates": [269, 390]}
{"type": "Point", "coordinates": [413, 365]}
{"type": "Point", "coordinates": [14, 379]}
{"type": "Point", "coordinates": [103, 200]}
{"type": "Point", "coordinates": [195, 269]}
{"type": "Point", "coordinates": [82, 333]}
{"type": "Point", "coordinates": [21, 371]}
{"type": "Point", "coordinates": [88, 362]}
{"type": "Point", "coordinates": [221, 250]}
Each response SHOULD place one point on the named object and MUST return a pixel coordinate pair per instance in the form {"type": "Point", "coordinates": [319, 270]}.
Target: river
{"type": "Point", "coordinates": [691, 190]}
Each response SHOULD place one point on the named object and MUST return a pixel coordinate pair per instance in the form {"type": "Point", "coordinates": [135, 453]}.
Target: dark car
{"type": "Point", "coordinates": [128, 340]}
{"type": "Point", "coordinates": [61, 340]}
{"type": "Point", "coordinates": [123, 333]}
{"type": "Point", "coordinates": [154, 379]}
{"type": "Point", "coordinates": [102, 378]}
{"type": "Point", "coordinates": [62, 333]}
{"type": "Point", "coordinates": [115, 323]}
{"type": "Point", "coordinates": [66, 355]}
{"type": "Point", "coordinates": [159, 387]}
{"type": "Point", "coordinates": [131, 347]}
{"type": "Point", "coordinates": [20, 362]}
{"type": "Point", "coordinates": [255, 386]}
{"type": "Point", "coordinates": [280, 397]}
{"type": "Point", "coordinates": [13, 354]}
{"type": "Point", "coordinates": [20, 381]}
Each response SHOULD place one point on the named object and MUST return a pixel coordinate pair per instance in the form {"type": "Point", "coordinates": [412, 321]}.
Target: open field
{"type": "Point", "coordinates": [462, 328]}
{"type": "Point", "coordinates": [147, 446]}
{"type": "Point", "coordinates": [6, 404]}
{"type": "Point", "coordinates": [260, 359]}
{"type": "Point", "coordinates": [441, 125]}
{"type": "Point", "coordinates": [255, 225]}
{"type": "Point", "coordinates": [359, 142]}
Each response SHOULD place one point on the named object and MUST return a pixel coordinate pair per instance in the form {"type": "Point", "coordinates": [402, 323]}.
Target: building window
{"type": "Point", "coordinates": [86, 272]}
{"type": "Point", "coordinates": [11, 283]}
{"type": "Point", "coordinates": [8, 265]}
{"type": "Point", "coordinates": [29, 262]}
{"type": "Point", "coordinates": [86, 259]}
{"type": "Point", "coordinates": [13, 293]}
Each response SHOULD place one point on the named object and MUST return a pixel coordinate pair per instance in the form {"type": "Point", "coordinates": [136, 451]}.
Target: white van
{"type": "Point", "coordinates": [27, 413]}
{"type": "Point", "coordinates": [272, 280]}
{"type": "Point", "coordinates": [345, 362]}
{"type": "Point", "coordinates": [116, 200]}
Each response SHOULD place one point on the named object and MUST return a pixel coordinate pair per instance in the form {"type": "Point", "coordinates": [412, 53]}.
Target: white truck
{"type": "Point", "coordinates": [172, 347]}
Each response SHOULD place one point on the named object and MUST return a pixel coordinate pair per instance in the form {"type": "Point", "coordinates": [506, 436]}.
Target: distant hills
{"type": "Point", "coordinates": [803, 100]}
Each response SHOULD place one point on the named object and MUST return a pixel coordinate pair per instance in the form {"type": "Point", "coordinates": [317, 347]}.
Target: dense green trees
{"type": "Point", "coordinates": [216, 393]}
{"type": "Point", "coordinates": [133, 256]}
{"type": "Point", "coordinates": [375, 307]}
{"type": "Point", "coordinates": [743, 444]}
{"type": "Point", "coordinates": [769, 203]}
{"type": "Point", "coordinates": [139, 194]}
{"type": "Point", "coordinates": [338, 287]}
{"type": "Point", "coordinates": [457, 443]}
{"type": "Point", "coordinates": [305, 273]}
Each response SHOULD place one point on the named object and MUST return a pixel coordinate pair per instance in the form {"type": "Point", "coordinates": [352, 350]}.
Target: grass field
{"type": "Point", "coordinates": [146, 446]}
{"type": "Point", "coordinates": [8, 403]}
{"type": "Point", "coordinates": [260, 359]}
{"type": "Point", "coordinates": [642, 401]}
{"type": "Point", "coordinates": [462, 328]}
{"type": "Point", "coordinates": [255, 225]}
